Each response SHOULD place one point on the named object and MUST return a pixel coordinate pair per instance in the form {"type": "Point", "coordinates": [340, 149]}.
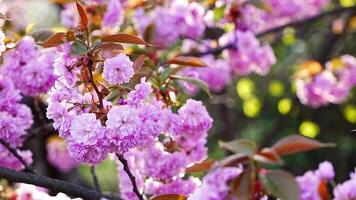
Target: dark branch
{"type": "Point", "coordinates": [306, 20]}
{"type": "Point", "coordinates": [14, 152]}
{"type": "Point", "coordinates": [131, 176]}
{"type": "Point", "coordinates": [218, 50]}
{"type": "Point", "coordinates": [52, 184]}
{"type": "Point", "coordinates": [95, 179]}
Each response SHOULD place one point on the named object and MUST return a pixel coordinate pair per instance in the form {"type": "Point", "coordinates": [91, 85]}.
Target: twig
{"type": "Point", "coordinates": [52, 184]}
{"type": "Point", "coordinates": [306, 20]}
{"type": "Point", "coordinates": [14, 152]}
{"type": "Point", "coordinates": [101, 104]}
{"type": "Point", "coordinates": [309, 20]}
{"type": "Point", "coordinates": [130, 175]}
{"type": "Point", "coordinates": [95, 179]}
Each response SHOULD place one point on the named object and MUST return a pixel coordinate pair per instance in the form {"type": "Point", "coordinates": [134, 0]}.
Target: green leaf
{"type": "Point", "coordinates": [239, 146]}
{"type": "Point", "coordinates": [280, 184]}
{"type": "Point", "coordinates": [78, 48]}
{"type": "Point", "coordinates": [195, 81]}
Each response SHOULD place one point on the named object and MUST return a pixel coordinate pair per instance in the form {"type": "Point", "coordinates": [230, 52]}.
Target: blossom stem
{"type": "Point", "coordinates": [14, 152]}
{"type": "Point", "coordinates": [101, 105]}
{"type": "Point", "coordinates": [95, 179]}
{"type": "Point", "coordinates": [130, 175]}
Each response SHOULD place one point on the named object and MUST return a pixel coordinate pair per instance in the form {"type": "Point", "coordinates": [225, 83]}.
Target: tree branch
{"type": "Point", "coordinates": [95, 179]}
{"type": "Point", "coordinates": [14, 152]}
{"type": "Point", "coordinates": [305, 21]}
{"type": "Point", "coordinates": [130, 175]}
{"type": "Point", "coordinates": [52, 184]}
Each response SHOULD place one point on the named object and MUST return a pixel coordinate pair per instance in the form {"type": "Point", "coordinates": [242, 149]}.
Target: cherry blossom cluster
{"type": "Point", "coordinates": [312, 181]}
{"type": "Point", "coordinates": [58, 156]}
{"type": "Point", "coordinates": [160, 165]}
{"type": "Point", "coordinates": [216, 184]}
{"type": "Point", "coordinates": [30, 68]}
{"type": "Point", "coordinates": [250, 55]}
{"type": "Point", "coordinates": [329, 85]}
{"type": "Point", "coordinates": [15, 119]}
{"type": "Point", "coordinates": [94, 126]}
{"type": "Point", "coordinates": [266, 14]}
{"type": "Point", "coordinates": [174, 19]}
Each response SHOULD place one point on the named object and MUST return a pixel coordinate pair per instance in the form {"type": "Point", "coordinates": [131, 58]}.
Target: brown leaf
{"type": "Point", "coordinates": [187, 61]}
{"type": "Point", "coordinates": [201, 167]}
{"type": "Point", "coordinates": [110, 46]}
{"type": "Point", "coordinates": [82, 15]}
{"type": "Point", "coordinates": [242, 186]}
{"type": "Point", "coordinates": [54, 40]}
{"type": "Point", "coordinates": [124, 38]}
{"type": "Point", "coordinates": [139, 62]}
{"type": "Point", "coordinates": [170, 197]}
{"type": "Point", "coordinates": [296, 143]}
{"type": "Point", "coordinates": [269, 156]}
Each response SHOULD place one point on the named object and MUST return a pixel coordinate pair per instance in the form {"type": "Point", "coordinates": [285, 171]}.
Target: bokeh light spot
{"type": "Point", "coordinates": [245, 88]}
{"type": "Point", "coordinates": [350, 113]}
{"type": "Point", "coordinates": [276, 88]}
{"type": "Point", "coordinates": [309, 129]}
{"type": "Point", "coordinates": [252, 107]}
{"type": "Point", "coordinates": [347, 3]}
{"type": "Point", "coordinates": [288, 37]}
{"type": "Point", "coordinates": [284, 106]}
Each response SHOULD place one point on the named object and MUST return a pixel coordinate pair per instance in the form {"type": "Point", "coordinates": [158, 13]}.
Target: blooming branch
{"type": "Point", "coordinates": [131, 176]}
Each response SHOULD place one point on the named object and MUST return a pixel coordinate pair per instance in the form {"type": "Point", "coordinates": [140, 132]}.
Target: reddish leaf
{"type": "Point", "coordinates": [242, 186]}
{"type": "Point", "coordinates": [187, 61]}
{"type": "Point", "coordinates": [110, 46]}
{"type": "Point", "coordinates": [170, 197]}
{"type": "Point", "coordinates": [201, 167]}
{"type": "Point", "coordinates": [269, 156]}
{"type": "Point", "coordinates": [280, 184]}
{"type": "Point", "coordinates": [82, 15]}
{"type": "Point", "coordinates": [139, 62]}
{"type": "Point", "coordinates": [296, 143]}
{"type": "Point", "coordinates": [54, 40]}
{"type": "Point", "coordinates": [234, 160]}
{"type": "Point", "coordinates": [124, 38]}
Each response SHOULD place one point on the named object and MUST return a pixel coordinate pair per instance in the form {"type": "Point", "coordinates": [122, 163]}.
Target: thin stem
{"type": "Point", "coordinates": [130, 175]}
{"type": "Point", "coordinates": [101, 104]}
{"type": "Point", "coordinates": [95, 179]}
{"type": "Point", "coordinates": [52, 184]}
{"type": "Point", "coordinates": [14, 152]}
